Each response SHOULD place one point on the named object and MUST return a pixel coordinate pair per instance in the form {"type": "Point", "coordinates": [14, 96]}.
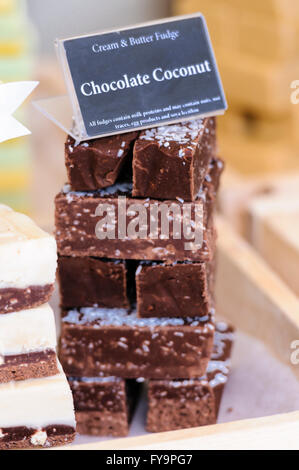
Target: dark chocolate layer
{"type": "Point", "coordinates": [29, 366]}
{"type": "Point", "coordinates": [22, 437]}
{"type": "Point", "coordinates": [14, 300]}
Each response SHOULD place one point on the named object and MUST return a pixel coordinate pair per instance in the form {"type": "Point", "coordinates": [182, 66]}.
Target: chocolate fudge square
{"type": "Point", "coordinates": [92, 282]}
{"type": "Point", "coordinates": [115, 342]}
{"type": "Point", "coordinates": [172, 161]}
{"type": "Point", "coordinates": [104, 405]}
{"type": "Point", "coordinates": [173, 290]}
{"type": "Point", "coordinates": [179, 404]}
{"type": "Point", "coordinates": [76, 222]}
{"type": "Point", "coordinates": [97, 163]}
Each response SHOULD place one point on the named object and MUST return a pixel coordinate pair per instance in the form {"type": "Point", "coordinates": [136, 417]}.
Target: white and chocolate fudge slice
{"type": "Point", "coordinates": [28, 344]}
{"type": "Point", "coordinates": [36, 413]}
{"type": "Point", "coordinates": [104, 405]}
{"type": "Point", "coordinates": [27, 262]}
{"type": "Point", "coordinates": [179, 404]}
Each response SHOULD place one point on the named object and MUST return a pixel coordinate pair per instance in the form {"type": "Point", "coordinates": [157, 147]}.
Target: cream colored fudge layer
{"type": "Point", "coordinates": [27, 331]}
{"type": "Point", "coordinates": [37, 403]}
{"type": "Point", "coordinates": [28, 255]}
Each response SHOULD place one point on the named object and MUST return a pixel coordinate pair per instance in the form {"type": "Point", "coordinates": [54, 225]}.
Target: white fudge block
{"type": "Point", "coordinates": [28, 255]}
{"type": "Point", "coordinates": [36, 403]}
{"type": "Point", "coordinates": [27, 331]}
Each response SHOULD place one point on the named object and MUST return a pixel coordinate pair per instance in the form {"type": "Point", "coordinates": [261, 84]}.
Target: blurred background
{"type": "Point", "coordinates": [257, 49]}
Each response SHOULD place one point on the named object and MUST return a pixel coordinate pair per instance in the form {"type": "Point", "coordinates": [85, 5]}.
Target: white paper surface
{"type": "Point", "coordinates": [12, 95]}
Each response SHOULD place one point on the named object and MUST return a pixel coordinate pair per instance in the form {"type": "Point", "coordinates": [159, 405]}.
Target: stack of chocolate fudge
{"type": "Point", "coordinates": [36, 405]}
{"type": "Point", "coordinates": [141, 308]}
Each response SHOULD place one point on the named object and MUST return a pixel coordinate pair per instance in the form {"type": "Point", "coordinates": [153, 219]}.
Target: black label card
{"type": "Point", "coordinates": [145, 76]}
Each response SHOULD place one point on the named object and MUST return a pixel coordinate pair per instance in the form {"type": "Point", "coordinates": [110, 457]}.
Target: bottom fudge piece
{"type": "Point", "coordinates": [114, 342]}
{"type": "Point", "coordinates": [28, 344]}
{"type": "Point", "coordinates": [36, 413]}
{"type": "Point", "coordinates": [92, 282]}
{"type": "Point", "coordinates": [104, 406]}
{"type": "Point", "coordinates": [179, 404]}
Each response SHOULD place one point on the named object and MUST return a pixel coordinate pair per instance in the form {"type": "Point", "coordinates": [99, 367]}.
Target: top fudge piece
{"type": "Point", "coordinates": [171, 162]}
{"type": "Point", "coordinates": [27, 262]}
{"type": "Point", "coordinates": [96, 164]}
{"type": "Point", "coordinates": [104, 405]}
